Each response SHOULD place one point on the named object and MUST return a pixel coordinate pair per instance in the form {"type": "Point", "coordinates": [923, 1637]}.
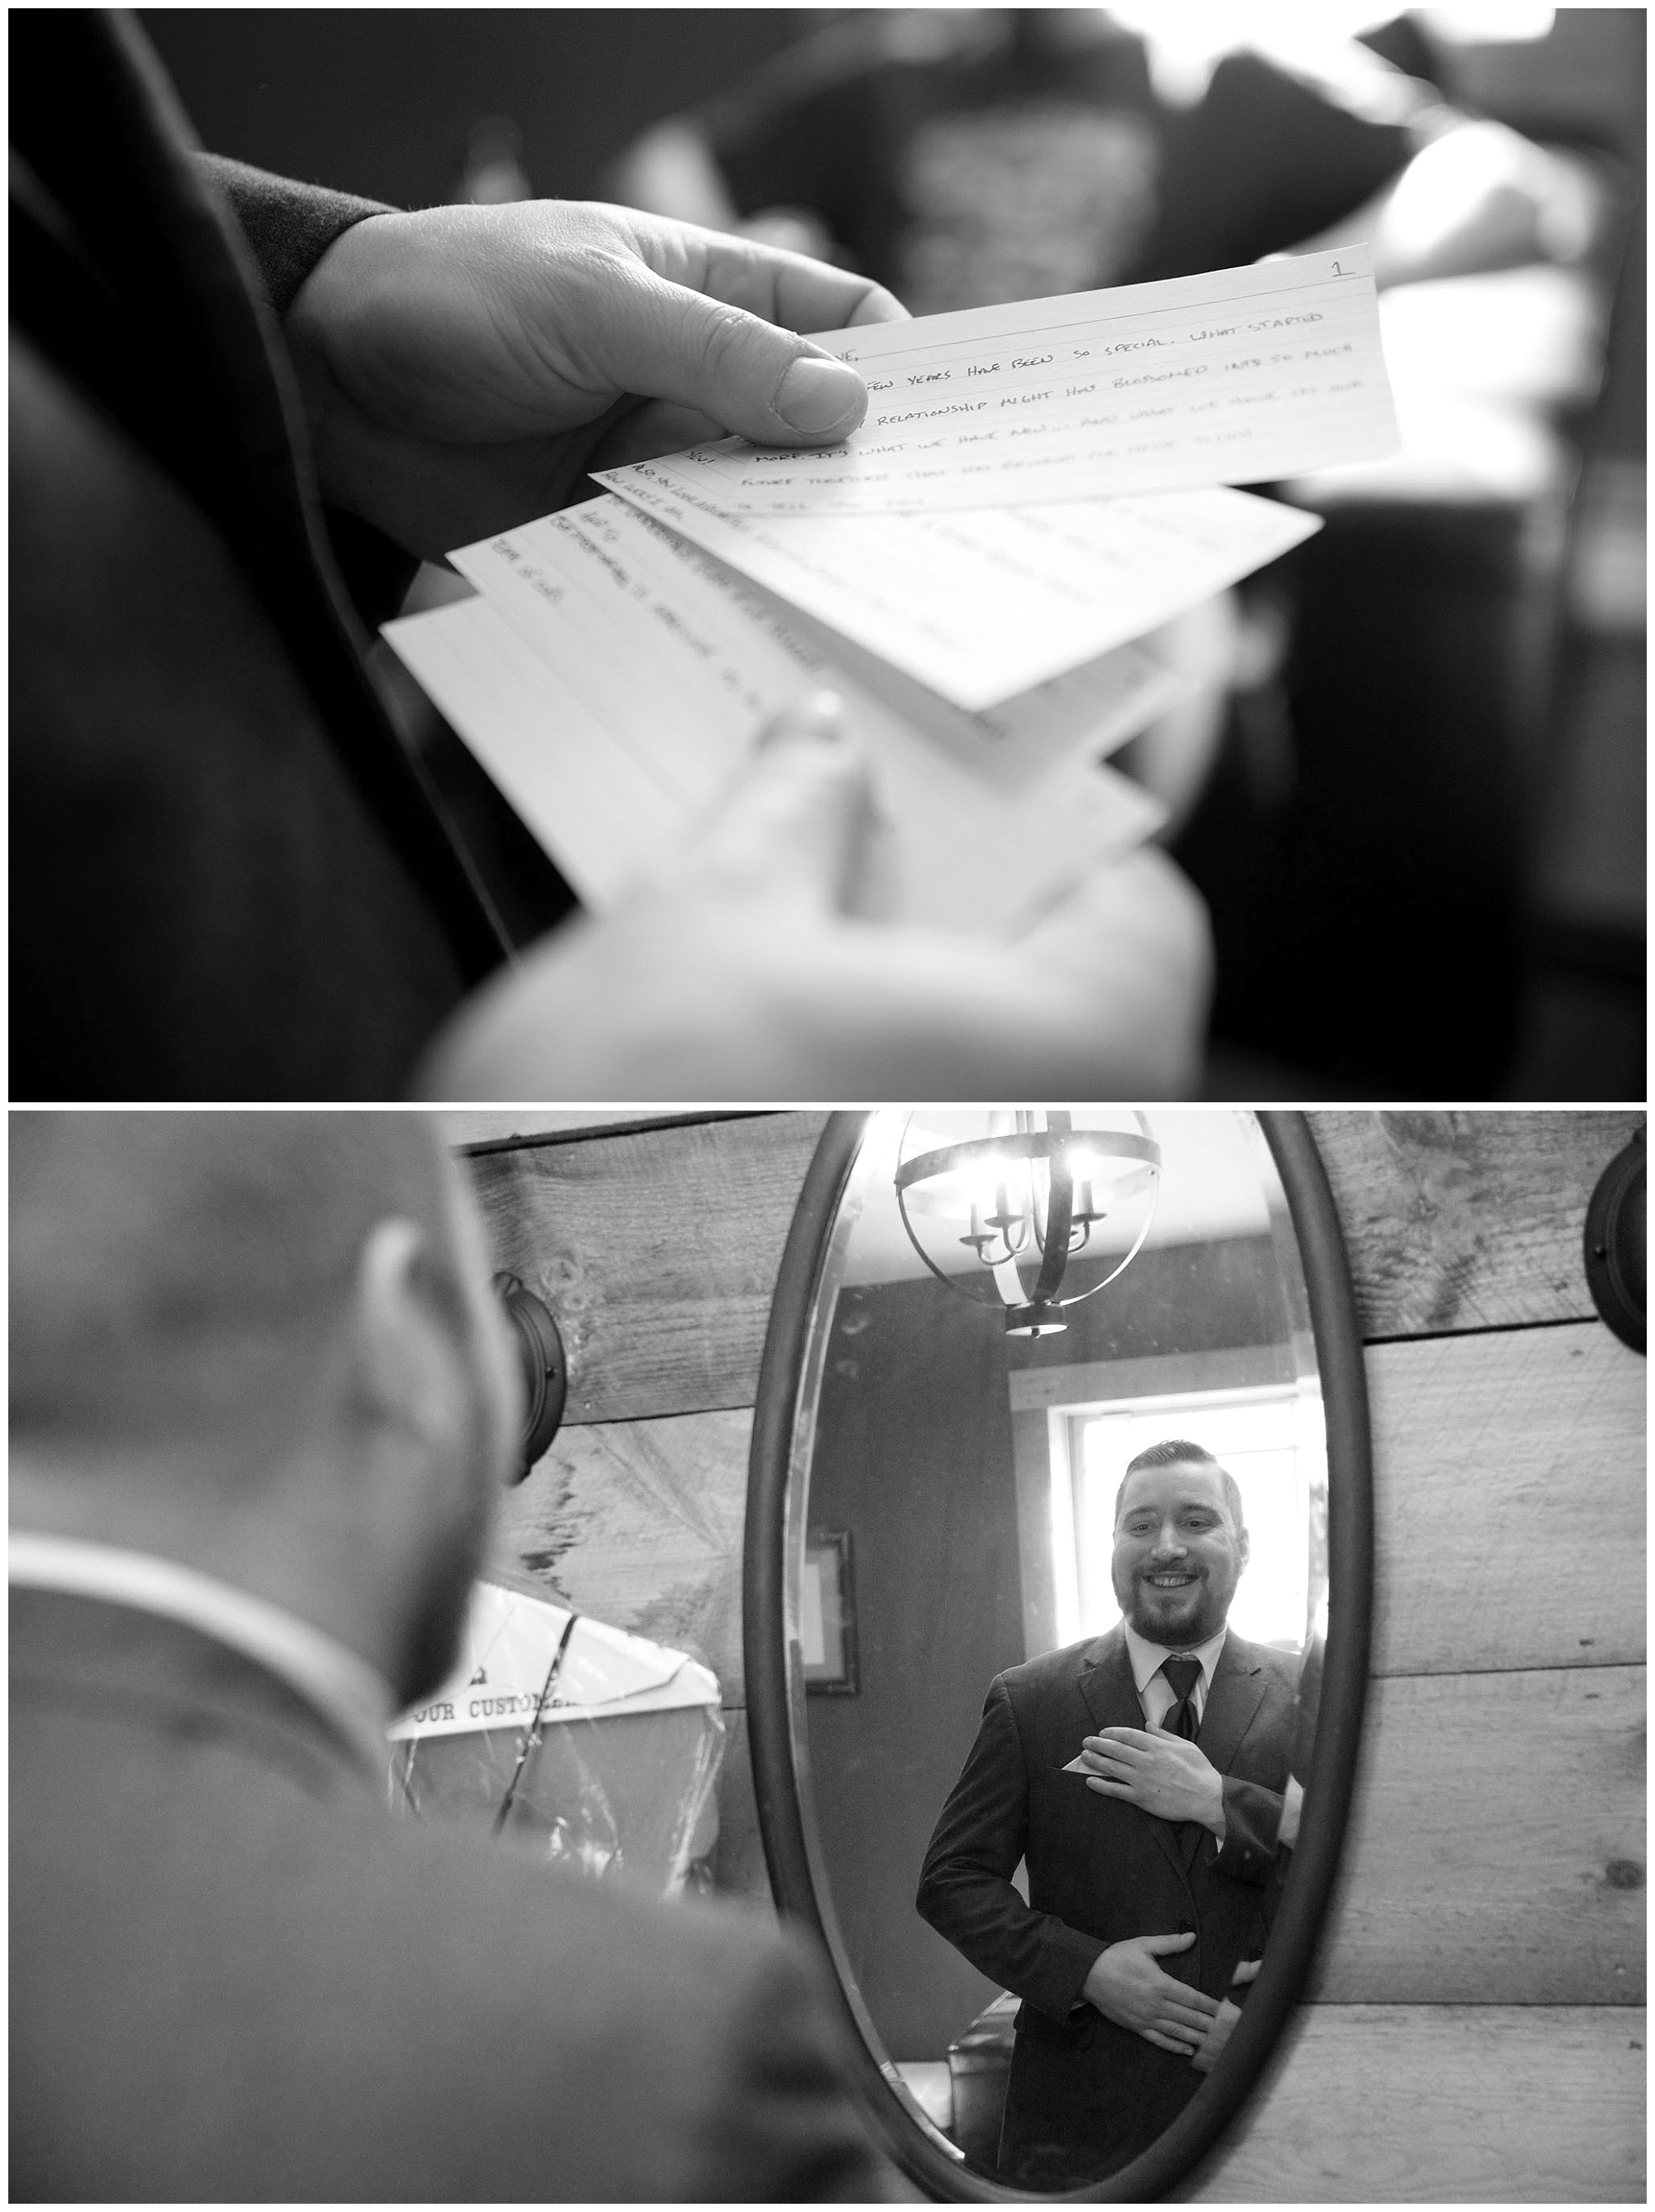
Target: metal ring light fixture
{"type": "Point", "coordinates": [541, 1364]}
{"type": "Point", "coordinates": [1057, 1230]}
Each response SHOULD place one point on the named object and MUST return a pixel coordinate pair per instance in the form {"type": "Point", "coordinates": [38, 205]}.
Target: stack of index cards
{"type": "Point", "coordinates": [979, 572]}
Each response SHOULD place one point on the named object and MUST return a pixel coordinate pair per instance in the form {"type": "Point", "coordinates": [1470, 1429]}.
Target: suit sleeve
{"type": "Point", "coordinates": [1252, 1829]}
{"type": "Point", "coordinates": [288, 227]}
{"type": "Point", "coordinates": [1253, 1802]}
{"type": "Point", "coordinates": [966, 1886]}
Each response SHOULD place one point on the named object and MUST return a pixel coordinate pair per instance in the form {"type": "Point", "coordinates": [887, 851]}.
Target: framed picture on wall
{"type": "Point", "coordinates": [827, 1615]}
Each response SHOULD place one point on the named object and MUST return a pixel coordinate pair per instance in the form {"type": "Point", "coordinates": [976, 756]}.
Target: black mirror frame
{"type": "Point", "coordinates": [781, 1818]}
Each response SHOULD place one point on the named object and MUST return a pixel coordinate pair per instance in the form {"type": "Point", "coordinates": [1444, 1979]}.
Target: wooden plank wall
{"type": "Point", "coordinates": [1474, 2030]}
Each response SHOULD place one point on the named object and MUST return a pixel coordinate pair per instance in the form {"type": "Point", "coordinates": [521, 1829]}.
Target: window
{"type": "Point", "coordinates": [1271, 1438]}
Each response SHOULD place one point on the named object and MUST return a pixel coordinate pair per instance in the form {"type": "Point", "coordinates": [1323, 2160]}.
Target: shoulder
{"type": "Point", "coordinates": [711, 2062]}
{"type": "Point", "coordinates": [1280, 1668]}
{"type": "Point", "coordinates": [521, 1918]}
{"type": "Point", "coordinates": [417, 2013]}
{"type": "Point", "coordinates": [1059, 1669]}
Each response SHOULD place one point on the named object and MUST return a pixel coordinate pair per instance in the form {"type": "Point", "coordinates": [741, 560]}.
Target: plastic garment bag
{"type": "Point", "coordinates": [601, 1748]}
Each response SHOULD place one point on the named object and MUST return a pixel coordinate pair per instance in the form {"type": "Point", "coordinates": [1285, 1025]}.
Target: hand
{"type": "Point", "coordinates": [1127, 1987]}
{"type": "Point", "coordinates": [464, 367]}
{"type": "Point", "coordinates": [745, 973]}
{"type": "Point", "coordinates": [1166, 1775]}
{"type": "Point", "coordinates": [1224, 2019]}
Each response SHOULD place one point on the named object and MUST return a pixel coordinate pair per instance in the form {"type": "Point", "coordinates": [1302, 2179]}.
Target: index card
{"type": "Point", "coordinates": [612, 676]}
{"type": "Point", "coordinates": [1236, 376]}
{"type": "Point", "coordinates": [982, 606]}
{"type": "Point", "coordinates": [613, 565]}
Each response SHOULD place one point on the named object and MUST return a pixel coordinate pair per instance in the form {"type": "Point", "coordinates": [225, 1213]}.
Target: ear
{"type": "Point", "coordinates": [411, 1378]}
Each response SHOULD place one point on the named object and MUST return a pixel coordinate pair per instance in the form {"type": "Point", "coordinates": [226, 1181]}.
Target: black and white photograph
{"type": "Point", "coordinates": [827, 1105]}
{"type": "Point", "coordinates": [800, 553]}
{"type": "Point", "coordinates": [427, 1781]}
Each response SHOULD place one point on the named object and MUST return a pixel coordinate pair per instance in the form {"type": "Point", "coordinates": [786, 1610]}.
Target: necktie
{"type": "Point", "coordinates": [1183, 1675]}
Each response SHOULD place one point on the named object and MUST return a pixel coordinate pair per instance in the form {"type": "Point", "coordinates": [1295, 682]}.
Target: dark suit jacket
{"type": "Point", "coordinates": [1084, 2093]}
{"type": "Point", "coordinates": [235, 1974]}
{"type": "Point", "coordinates": [230, 880]}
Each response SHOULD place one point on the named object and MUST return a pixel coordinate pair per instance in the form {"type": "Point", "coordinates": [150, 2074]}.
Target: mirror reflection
{"type": "Point", "coordinates": [1061, 1558]}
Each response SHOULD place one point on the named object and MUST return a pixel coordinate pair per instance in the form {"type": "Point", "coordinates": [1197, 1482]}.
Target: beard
{"type": "Point", "coordinates": [1177, 1618]}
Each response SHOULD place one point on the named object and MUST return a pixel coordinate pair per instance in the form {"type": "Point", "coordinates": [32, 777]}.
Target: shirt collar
{"type": "Point", "coordinates": [1146, 1657]}
{"type": "Point", "coordinates": [337, 1682]}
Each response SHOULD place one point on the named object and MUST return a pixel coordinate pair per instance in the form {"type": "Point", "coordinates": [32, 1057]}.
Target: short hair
{"type": "Point", "coordinates": [1178, 1451]}
{"type": "Point", "coordinates": [170, 1269]}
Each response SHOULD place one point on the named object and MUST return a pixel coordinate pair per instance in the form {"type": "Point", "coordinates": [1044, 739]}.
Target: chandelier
{"type": "Point", "coordinates": [1026, 1197]}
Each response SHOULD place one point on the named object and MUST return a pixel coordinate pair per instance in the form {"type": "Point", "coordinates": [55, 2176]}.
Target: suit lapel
{"type": "Point", "coordinates": [1106, 1683]}
{"type": "Point", "coordinates": [1238, 1690]}
{"type": "Point", "coordinates": [1112, 1698]}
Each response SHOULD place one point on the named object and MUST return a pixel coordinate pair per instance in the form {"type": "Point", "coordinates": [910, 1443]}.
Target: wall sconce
{"type": "Point", "coordinates": [1617, 1243]}
{"type": "Point", "coordinates": [540, 1362]}
{"type": "Point", "coordinates": [1025, 1190]}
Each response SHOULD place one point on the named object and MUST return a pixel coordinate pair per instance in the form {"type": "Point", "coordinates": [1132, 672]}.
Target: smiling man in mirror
{"type": "Point", "coordinates": [1139, 1777]}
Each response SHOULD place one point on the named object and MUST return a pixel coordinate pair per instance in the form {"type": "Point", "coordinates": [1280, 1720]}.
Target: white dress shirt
{"type": "Point", "coordinates": [327, 1674]}
{"type": "Point", "coordinates": [1155, 1692]}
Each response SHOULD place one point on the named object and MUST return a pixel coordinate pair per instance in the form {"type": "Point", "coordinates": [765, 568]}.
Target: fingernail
{"type": "Point", "coordinates": [818, 394]}
{"type": "Point", "coordinates": [820, 714]}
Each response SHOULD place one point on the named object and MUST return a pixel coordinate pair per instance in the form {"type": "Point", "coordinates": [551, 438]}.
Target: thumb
{"type": "Point", "coordinates": [1158, 1946]}
{"type": "Point", "coordinates": [767, 384]}
{"type": "Point", "coordinates": [797, 824]}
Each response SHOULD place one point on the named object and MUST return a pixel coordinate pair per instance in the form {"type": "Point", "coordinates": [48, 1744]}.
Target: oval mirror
{"type": "Point", "coordinates": [1056, 1615]}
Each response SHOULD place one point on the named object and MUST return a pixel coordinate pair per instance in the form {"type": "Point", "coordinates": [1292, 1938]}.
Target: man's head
{"type": "Point", "coordinates": [262, 1344]}
{"type": "Point", "coordinates": [1180, 1544]}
